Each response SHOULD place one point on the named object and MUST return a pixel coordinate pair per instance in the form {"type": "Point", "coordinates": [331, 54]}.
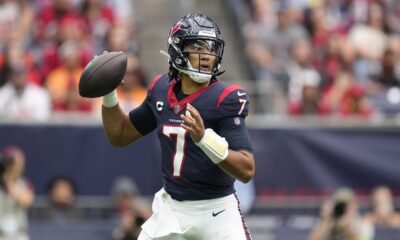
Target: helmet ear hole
{"type": "Point", "coordinates": [181, 61]}
{"type": "Point", "coordinates": [178, 60]}
{"type": "Point", "coordinates": [176, 40]}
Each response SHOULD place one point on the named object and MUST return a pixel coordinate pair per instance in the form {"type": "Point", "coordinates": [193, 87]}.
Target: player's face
{"type": "Point", "coordinates": [201, 54]}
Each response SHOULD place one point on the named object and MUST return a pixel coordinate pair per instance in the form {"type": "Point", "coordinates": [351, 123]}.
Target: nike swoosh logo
{"type": "Point", "coordinates": [241, 93]}
{"type": "Point", "coordinates": [215, 214]}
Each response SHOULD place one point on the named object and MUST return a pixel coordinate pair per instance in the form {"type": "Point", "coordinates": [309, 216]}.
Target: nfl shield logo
{"type": "Point", "coordinates": [236, 121]}
{"type": "Point", "coordinates": [177, 108]}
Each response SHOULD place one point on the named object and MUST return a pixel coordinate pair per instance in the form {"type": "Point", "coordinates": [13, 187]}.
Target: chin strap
{"type": "Point", "coordinates": [220, 73]}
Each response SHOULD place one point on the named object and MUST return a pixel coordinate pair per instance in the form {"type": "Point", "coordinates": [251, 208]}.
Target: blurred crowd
{"type": "Point", "coordinates": [308, 57]}
{"type": "Point", "coordinates": [128, 209]}
{"type": "Point", "coordinates": [324, 57]}
{"type": "Point", "coordinates": [44, 46]}
{"type": "Point", "coordinates": [340, 218]}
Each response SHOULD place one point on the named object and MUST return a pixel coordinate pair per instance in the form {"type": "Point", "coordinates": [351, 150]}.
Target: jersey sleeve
{"type": "Point", "coordinates": [233, 107]}
{"type": "Point", "coordinates": [233, 101]}
{"type": "Point", "coordinates": [142, 117]}
{"type": "Point", "coordinates": [234, 130]}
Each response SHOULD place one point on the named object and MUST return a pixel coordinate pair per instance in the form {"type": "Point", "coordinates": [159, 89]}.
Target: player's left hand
{"type": "Point", "coordinates": [193, 123]}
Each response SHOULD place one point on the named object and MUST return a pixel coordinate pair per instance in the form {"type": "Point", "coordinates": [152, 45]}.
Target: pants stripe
{"type": "Point", "coordinates": [245, 229]}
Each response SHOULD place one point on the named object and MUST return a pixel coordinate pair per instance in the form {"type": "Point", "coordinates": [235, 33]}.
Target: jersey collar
{"type": "Point", "coordinates": [178, 106]}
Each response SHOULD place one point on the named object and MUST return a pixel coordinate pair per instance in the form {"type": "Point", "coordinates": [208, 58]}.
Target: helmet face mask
{"type": "Point", "coordinates": [196, 37]}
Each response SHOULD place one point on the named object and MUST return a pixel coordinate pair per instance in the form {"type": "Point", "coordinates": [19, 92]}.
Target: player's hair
{"type": "Point", "coordinates": [172, 73]}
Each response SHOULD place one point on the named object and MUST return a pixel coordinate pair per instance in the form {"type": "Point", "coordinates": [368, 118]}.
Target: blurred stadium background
{"type": "Point", "coordinates": [324, 80]}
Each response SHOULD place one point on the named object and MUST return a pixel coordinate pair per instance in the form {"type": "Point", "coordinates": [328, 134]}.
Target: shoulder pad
{"type": "Point", "coordinates": [155, 81]}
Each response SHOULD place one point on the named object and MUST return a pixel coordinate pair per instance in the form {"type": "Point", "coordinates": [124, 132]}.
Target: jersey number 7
{"type": "Point", "coordinates": [179, 147]}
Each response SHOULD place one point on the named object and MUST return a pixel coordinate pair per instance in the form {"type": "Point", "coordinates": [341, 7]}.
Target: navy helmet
{"type": "Point", "coordinates": [191, 29]}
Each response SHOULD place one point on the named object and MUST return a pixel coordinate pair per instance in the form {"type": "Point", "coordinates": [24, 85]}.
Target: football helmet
{"type": "Point", "coordinates": [195, 31]}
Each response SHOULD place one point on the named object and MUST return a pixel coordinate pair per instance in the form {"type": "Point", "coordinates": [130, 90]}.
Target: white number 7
{"type": "Point", "coordinates": [179, 147]}
{"type": "Point", "coordinates": [243, 102]}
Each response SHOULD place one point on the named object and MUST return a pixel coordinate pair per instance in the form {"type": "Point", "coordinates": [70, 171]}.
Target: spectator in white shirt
{"type": "Point", "coordinates": [21, 100]}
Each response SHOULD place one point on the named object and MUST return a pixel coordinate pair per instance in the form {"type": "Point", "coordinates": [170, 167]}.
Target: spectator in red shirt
{"type": "Point", "coordinates": [345, 98]}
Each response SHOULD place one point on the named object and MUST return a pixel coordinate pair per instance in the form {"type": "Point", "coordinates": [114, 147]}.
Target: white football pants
{"type": "Point", "coordinates": [214, 219]}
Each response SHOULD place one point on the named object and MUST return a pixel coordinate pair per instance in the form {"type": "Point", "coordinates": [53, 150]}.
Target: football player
{"type": "Point", "coordinates": [204, 141]}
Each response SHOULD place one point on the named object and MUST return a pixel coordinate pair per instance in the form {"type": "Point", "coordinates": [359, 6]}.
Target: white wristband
{"type": "Point", "coordinates": [214, 146]}
{"type": "Point", "coordinates": [111, 99]}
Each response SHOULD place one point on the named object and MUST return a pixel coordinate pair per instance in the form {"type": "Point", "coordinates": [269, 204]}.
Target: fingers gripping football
{"type": "Point", "coordinates": [193, 123]}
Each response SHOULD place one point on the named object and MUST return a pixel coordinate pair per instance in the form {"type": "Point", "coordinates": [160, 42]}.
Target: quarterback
{"type": "Point", "coordinates": [205, 144]}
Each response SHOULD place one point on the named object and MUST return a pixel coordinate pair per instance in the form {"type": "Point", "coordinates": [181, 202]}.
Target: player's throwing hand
{"type": "Point", "coordinates": [193, 123]}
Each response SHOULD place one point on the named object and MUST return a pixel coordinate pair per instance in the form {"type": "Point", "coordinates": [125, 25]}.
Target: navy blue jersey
{"type": "Point", "coordinates": [188, 173]}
